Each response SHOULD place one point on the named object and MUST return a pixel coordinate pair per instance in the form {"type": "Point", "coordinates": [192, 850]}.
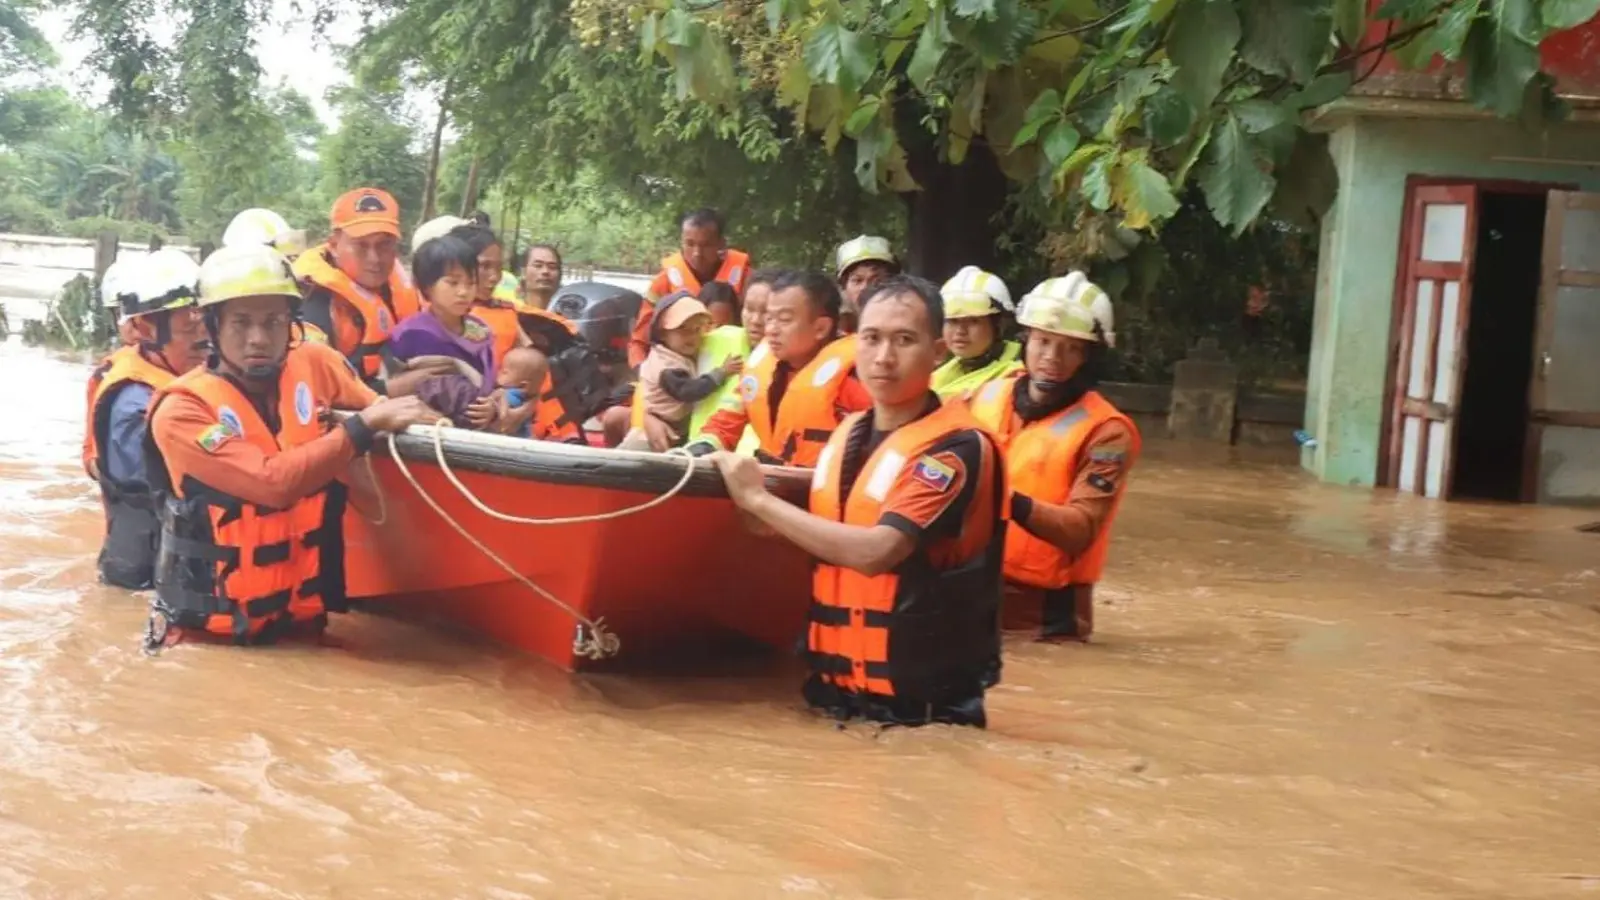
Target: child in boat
{"type": "Point", "coordinates": [669, 377]}
{"type": "Point", "coordinates": [521, 375]}
{"type": "Point", "coordinates": [445, 271]}
{"type": "Point", "coordinates": [721, 302]}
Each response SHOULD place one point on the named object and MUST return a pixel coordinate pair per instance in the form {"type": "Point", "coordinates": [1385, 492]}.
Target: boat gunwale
{"type": "Point", "coordinates": [581, 466]}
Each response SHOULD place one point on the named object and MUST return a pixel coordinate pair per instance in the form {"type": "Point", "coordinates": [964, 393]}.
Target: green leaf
{"type": "Point", "coordinates": [1234, 177]}
{"type": "Point", "coordinates": [794, 88]}
{"type": "Point", "coordinates": [1350, 19]}
{"type": "Point", "coordinates": [1167, 116]}
{"type": "Point", "coordinates": [1204, 35]}
{"type": "Point", "coordinates": [1273, 127]}
{"type": "Point", "coordinates": [679, 28]}
{"type": "Point", "coordinates": [972, 9]}
{"type": "Point", "coordinates": [1044, 109]}
{"type": "Point", "coordinates": [775, 14]}
{"type": "Point", "coordinates": [1308, 184]}
{"type": "Point", "coordinates": [1560, 15]}
{"type": "Point", "coordinates": [1059, 142]}
{"type": "Point", "coordinates": [1096, 186]}
{"type": "Point", "coordinates": [967, 108]}
{"type": "Point", "coordinates": [1326, 89]}
{"type": "Point", "coordinates": [872, 144]}
{"type": "Point", "coordinates": [1144, 195]}
{"type": "Point", "coordinates": [1502, 57]}
{"type": "Point", "coordinates": [836, 55]}
{"type": "Point", "coordinates": [1446, 39]}
{"type": "Point", "coordinates": [1136, 85]}
{"type": "Point", "coordinates": [1285, 37]}
{"type": "Point", "coordinates": [1080, 157]}
{"type": "Point", "coordinates": [864, 115]}
{"type": "Point", "coordinates": [931, 45]}
{"type": "Point", "coordinates": [648, 39]}
{"type": "Point", "coordinates": [1056, 50]}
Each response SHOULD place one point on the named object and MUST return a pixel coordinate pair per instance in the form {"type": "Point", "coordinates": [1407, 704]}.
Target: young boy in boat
{"type": "Point", "coordinates": [905, 522]}
{"type": "Point", "coordinates": [520, 376]}
{"type": "Point", "coordinates": [670, 383]}
{"type": "Point", "coordinates": [445, 272]}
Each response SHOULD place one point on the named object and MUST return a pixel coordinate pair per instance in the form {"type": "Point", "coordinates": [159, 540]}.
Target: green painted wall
{"type": "Point", "coordinates": [1360, 249]}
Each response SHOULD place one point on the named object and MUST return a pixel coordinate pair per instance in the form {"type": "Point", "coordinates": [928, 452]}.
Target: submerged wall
{"type": "Point", "coordinates": [1345, 402]}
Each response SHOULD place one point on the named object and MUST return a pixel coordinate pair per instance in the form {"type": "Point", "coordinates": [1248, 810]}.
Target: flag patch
{"type": "Point", "coordinates": [934, 473]}
{"type": "Point", "coordinates": [214, 437]}
{"type": "Point", "coordinates": [1102, 483]}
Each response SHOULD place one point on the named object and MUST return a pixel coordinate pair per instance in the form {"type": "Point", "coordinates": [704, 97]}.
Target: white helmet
{"type": "Point", "coordinates": [245, 271]}
{"type": "Point", "coordinates": [974, 294]}
{"type": "Point", "coordinates": [110, 291]}
{"type": "Point", "coordinates": [433, 228]}
{"type": "Point", "coordinates": [864, 248]}
{"type": "Point", "coordinates": [264, 227]}
{"type": "Point", "coordinates": [165, 280]}
{"type": "Point", "coordinates": [1071, 305]}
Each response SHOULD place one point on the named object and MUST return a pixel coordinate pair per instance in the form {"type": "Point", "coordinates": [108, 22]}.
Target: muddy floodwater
{"type": "Point", "coordinates": [1296, 691]}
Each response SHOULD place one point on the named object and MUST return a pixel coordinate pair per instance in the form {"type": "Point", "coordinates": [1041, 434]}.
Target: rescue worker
{"type": "Point", "coordinates": [158, 294]}
{"type": "Point", "coordinates": [541, 276]}
{"type": "Point", "coordinates": [111, 303]}
{"type": "Point", "coordinates": [356, 290]}
{"type": "Point", "coordinates": [794, 395]}
{"type": "Point", "coordinates": [1068, 454]}
{"type": "Point", "coordinates": [263, 226]}
{"type": "Point", "coordinates": [905, 524]}
{"type": "Point", "coordinates": [246, 465]}
{"type": "Point", "coordinates": [861, 262]}
{"type": "Point", "coordinates": [977, 306]}
{"type": "Point", "coordinates": [703, 255]}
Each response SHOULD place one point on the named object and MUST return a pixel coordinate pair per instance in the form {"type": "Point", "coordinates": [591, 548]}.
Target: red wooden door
{"type": "Point", "coordinates": [1436, 286]}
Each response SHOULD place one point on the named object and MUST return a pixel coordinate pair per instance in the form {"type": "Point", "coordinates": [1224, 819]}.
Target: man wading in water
{"type": "Point", "coordinates": [905, 524]}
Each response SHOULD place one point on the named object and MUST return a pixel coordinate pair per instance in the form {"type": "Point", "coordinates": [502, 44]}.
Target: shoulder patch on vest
{"type": "Point", "coordinates": [302, 403]}
{"type": "Point", "coordinates": [213, 438]}
{"type": "Point", "coordinates": [884, 474]}
{"type": "Point", "coordinates": [826, 373]}
{"type": "Point", "coordinates": [748, 385]}
{"type": "Point", "coordinates": [384, 324]}
{"type": "Point", "coordinates": [934, 474]}
{"type": "Point", "coordinates": [674, 276]}
{"type": "Point", "coordinates": [1073, 417]}
{"type": "Point", "coordinates": [230, 421]}
{"type": "Point", "coordinates": [819, 475]}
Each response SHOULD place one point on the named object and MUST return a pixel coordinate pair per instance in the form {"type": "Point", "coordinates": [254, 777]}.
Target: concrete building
{"type": "Point", "coordinates": [1456, 348]}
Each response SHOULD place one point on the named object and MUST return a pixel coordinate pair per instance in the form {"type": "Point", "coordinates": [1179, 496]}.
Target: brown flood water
{"type": "Point", "coordinates": [1298, 691]}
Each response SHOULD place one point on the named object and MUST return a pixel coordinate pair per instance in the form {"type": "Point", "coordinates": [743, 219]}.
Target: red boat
{"type": "Point", "coordinates": [655, 574]}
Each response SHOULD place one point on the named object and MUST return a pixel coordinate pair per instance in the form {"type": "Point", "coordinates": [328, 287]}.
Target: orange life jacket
{"type": "Point", "coordinates": [928, 625]}
{"type": "Point", "coordinates": [734, 271]}
{"type": "Point", "coordinates": [127, 556]}
{"type": "Point", "coordinates": [1043, 459]}
{"type": "Point", "coordinates": [363, 324]}
{"type": "Point", "coordinates": [230, 567]}
{"type": "Point", "coordinates": [502, 320]}
{"type": "Point", "coordinates": [91, 453]}
{"type": "Point", "coordinates": [809, 412]}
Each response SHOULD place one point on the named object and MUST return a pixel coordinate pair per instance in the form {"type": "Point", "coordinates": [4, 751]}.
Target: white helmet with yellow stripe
{"type": "Point", "coordinates": [263, 227]}
{"type": "Point", "coordinates": [111, 283]}
{"type": "Point", "coordinates": [974, 293]}
{"type": "Point", "coordinates": [247, 270]}
{"type": "Point", "coordinates": [863, 248]}
{"type": "Point", "coordinates": [1071, 305]}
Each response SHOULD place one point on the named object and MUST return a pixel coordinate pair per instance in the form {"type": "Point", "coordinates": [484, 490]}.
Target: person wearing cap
{"type": "Point", "coordinates": [246, 465]}
{"type": "Point", "coordinates": [264, 227]}
{"type": "Point", "coordinates": [671, 379]}
{"type": "Point", "coordinates": [356, 290]}
{"type": "Point", "coordinates": [977, 305]}
{"type": "Point", "coordinates": [795, 393]}
{"type": "Point", "coordinates": [861, 262]}
{"type": "Point", "coordinates": [158, 298]}
{"type": "Point", "coordinates": [1068, 454]}
{"type": "Point", "coordinates": [905, 523]}
{"type": "Point", "coordinates": [703, 255]}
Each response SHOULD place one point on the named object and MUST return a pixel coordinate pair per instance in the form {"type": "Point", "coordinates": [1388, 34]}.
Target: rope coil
{"type": "Point", "coordinates": [593, 639]}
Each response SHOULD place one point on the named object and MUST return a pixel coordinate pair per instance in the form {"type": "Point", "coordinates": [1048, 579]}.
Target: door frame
{"type": "Point", "coordinates": [1410, 232]}
{"type": "Point", "coordinates": [1551, 278]}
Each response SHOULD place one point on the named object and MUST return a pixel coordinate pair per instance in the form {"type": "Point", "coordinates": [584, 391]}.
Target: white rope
{"type": "Point", "coordinates": [438, 452]}
{"type": "Point", "coordinates": [383, 504]}
{"type": "Point", "coordinates": [599, 642]}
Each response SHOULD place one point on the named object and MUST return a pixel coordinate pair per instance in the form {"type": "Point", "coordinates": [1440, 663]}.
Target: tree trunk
{"type": "Point", "coordinates": [950, 223]}
{"type": "Point", "coordinates": [469, 195]}
{"type": "Point", "coordinates": [430, 188]}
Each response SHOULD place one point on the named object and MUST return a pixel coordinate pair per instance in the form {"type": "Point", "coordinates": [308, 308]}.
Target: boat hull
{"type": "Point", "coordinates": [663, 579]}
